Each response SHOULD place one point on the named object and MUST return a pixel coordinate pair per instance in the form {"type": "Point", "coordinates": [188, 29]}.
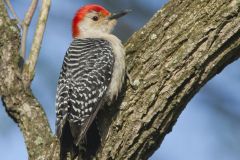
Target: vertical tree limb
{"type": "Point", "coordinates": [29, 67]}
{"type": "Point", "coordinates": [25, 25]}
{"type": "Point", "coordinates": [12, 11]}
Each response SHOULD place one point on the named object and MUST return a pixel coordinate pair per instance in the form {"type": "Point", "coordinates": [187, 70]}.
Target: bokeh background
{"type": "Point", "coordinates": [209, 127]}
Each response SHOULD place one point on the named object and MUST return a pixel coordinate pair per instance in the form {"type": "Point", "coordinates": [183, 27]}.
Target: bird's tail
{"type": "Point", "coordinates": [68, 148]}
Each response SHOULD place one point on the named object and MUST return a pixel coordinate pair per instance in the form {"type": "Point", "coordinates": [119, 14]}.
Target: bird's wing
{"type": "Point", "coordinates": [84, 80]}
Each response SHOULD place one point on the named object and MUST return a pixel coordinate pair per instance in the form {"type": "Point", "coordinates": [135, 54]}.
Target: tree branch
{"type": "Point", "coordinates": [26, 22]}
{"type": "Point", "coordinates": [13, 11]}
{"type": "Point", "coordinates": [181, 48]}
{"type": "Point", "coordinates": [29, 67]}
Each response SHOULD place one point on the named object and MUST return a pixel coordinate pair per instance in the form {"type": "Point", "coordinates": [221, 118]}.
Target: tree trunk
{"type": "Point", "coordinates": [182, 47]}
{"type": "Point", "coordinates": [19, 102]}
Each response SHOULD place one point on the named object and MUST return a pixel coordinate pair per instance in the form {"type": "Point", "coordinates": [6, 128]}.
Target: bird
{"type": "Point", "coordinates": [92, 75]}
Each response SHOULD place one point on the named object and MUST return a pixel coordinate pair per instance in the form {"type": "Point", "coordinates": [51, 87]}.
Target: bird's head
{"type": "Point", "coordinates": [94, 18]}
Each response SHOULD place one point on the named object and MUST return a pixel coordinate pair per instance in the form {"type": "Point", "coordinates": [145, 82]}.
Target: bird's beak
{"type": "Point", "coordinates": [119, 14]}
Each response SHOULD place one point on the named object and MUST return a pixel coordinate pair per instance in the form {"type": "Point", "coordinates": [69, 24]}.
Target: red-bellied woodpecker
{"type": "Point", "coordinates": [92, 74]}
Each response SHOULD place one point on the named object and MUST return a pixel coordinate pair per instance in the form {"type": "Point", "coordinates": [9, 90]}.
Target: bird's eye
{"type": "Point", "coordinates": [95, 18]}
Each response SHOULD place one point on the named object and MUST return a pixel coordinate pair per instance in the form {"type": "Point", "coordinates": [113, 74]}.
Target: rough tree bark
{"type": "Point", "coordinates": [18, 99]}
{"type": "Point", "coordinates": [182, 47]}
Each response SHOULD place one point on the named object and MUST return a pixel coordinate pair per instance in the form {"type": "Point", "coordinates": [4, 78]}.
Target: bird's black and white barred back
{"type": "Point", "coordinates": [83, 82]}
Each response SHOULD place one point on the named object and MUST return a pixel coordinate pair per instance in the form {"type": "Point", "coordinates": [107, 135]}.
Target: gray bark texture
{"type": "Point", "coordinates": [182, 47]}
